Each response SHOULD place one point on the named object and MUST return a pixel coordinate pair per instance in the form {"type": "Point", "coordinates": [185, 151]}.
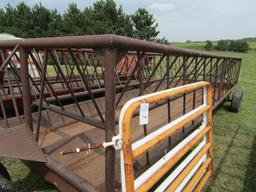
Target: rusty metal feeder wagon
{"type": "Point", "coordinates": [75, 102]}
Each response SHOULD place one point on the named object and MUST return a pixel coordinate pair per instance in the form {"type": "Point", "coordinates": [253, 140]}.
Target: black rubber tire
{"type": "Point", "coordinates": [6, 185]}
{"type": "Point", "coordinates": [4, 173]}
{"type": "Point", "coordinates": [5, 180]}
{"type": "Point", "coordinates": [237, 97]}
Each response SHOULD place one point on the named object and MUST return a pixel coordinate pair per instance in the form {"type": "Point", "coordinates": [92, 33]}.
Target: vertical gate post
{"type": "Point", "coordinates": [168, 87]}
{"type": "Point", "coordinates": [27, 97]}
{"type": "Point", "coordinates": [222, 78]}
{"type": "Point", "coordinates": [185, 65]}
{"type": "Point", "coordinates": [238, 70]}
{"type": "Point", "coordinates": [1, 72]}
{"type": "Point", "coordinates": [140, 71]}
{"type": "Point", "coordinates": [110, 127]}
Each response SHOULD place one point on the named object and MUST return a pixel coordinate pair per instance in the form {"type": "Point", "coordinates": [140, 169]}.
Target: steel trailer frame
{"type": "Point", "coordinates": [92, 67]}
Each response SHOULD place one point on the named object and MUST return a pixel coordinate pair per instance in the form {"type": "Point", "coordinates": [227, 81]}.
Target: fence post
{"type": "Point", "coordinates": [26, 91]}
{"type": "Point", "coordinates": [222, 78]}
{"type": "Point", "coordinates": [110, 127]}
{"type": "Point", "coordinates": [238, 69]}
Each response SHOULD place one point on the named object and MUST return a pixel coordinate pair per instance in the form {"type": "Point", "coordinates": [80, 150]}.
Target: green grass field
{"type": "Point", "coordinates": [190, 45]}
{"type": "Point", "coordinates": [234, 147]}
{"type": "Point", "coordinates": [234, 134]}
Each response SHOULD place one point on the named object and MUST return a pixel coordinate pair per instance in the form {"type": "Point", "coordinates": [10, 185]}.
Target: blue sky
{"type": "Point", "coordinates": [181, 20]}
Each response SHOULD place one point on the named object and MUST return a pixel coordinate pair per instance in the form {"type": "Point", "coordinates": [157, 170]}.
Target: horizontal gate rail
{"type": "Point", "coordinates": [194, 169]}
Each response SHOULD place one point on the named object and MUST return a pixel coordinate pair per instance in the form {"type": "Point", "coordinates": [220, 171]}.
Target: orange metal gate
{"type": "Point", "coordinates": [191, 158]}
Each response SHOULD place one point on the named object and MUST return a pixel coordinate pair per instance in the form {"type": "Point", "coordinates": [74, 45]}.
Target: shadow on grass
{"type": "Point", "coordinates": [33, 182]}
{"type": "Point", "coordinates": [222, 160]}
{"type": "Point", "coordinates": [250, 177]}
{"type": "Point", "coordinates": [227, 108]}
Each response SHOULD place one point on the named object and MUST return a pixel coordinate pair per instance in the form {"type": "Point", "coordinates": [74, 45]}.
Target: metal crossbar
{"type": "Point", "coordinates": [199, 141]}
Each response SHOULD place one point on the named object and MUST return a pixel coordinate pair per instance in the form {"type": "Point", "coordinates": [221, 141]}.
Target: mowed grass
{"type": "Point", "coordinates": [234, 148]}
{"type": "Point", "coordinates": [190, 45]}
{"type": "Point", "coordinates": [23, 179]}
{"type": "Point", "coordinates": [234, 134]}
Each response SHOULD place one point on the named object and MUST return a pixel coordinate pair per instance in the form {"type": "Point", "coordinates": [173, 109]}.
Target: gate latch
{"type": "Point", "coordinates": [116, 143]}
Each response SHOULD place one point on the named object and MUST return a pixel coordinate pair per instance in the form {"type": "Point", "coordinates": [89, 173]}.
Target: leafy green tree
{"type": "Point", "coordinates": [2, 20]}
{"type": "Point", "coordinates": [10, 21]}
{"type": "Point", "coordinates": [162, 41]}
{"type": "Point", "coordinates": [105, 17]}
{"type": "Point", "coordinates": [73, 20]}
{"type": "Point", "coordinates": [238, 46]}
{"type": "Point", "coordinates": [232, 45]}
{"type": "Point", "coordinates": [222, 45]}
{"type": "Point", "coordinates": [41, 17]}
{"type": "Point", "coordinates": [23, 19]}
{"type": "Point", "coordinates": [243, 46]}
{"type": "Point", "coordinates": [55, 26]}
{"type": "Point", "coordinates": [145, 26]}
{"type": "Point", "coordinates": [123, 24]}
{"type": "Point", "coordinates": [208, 46]}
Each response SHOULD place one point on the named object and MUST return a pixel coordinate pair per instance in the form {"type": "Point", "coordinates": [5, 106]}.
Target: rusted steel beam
{"type": "Point", "coordinates": [41, 96]}
{"type": "Point", "coordinates": [89, 120]}
{"type": "Point", "coordinates": [238, 70]}
{"type": "Point", "coordinates": [7, 60]}
{"type": "Point", "coordinates": [66, 82]}
{"type": "Point", "coordinates": [154, 70]}
{"type": "Point", "coordinates": [126, 85]}
{"type": "Point", "coordinates": [86, 84]}
{"type": "Point", "coordinates": [222, 78]}
{"type": "Point", "coordinates": [110, 128]}
{"type": "Point", "coordinates": [18, 142]}
{"type": "Point", "coordinates": [4, 55]}
{"type": "Point", "coordinates": [141, 77]}
{"type": "Point", "coordinates": [27, 97]}
{"type": "Point", "coordinates": [39, 67]}
{"type": "Point", "coordinates": [105, 41]}
{"type": "Point", "coordinates": [64, 179]}
{"type": "Point", "coordinates": [168, 68]}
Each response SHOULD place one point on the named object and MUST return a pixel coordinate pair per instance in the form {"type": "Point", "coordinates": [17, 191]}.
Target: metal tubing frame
{"type": "Point", "coordinates": [110, 130]}
{"type": "Point", "coordinates": [105, 41]}
{"type": "Point", "coordinates": [104, 52]}
{"type": "Point", "coordinates": [27, 98]}
{"type": "Point", "coordinates": [131, 151]}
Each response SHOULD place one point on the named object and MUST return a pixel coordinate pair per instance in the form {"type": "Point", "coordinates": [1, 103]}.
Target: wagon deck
{"type": "Point", "coordinates": [84, 82]}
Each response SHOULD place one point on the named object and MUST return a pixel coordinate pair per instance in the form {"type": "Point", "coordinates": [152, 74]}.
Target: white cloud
{"type": "Point", "coordinates": [162, 6]}
{"type": "Point", "coordinates": [181, 20]}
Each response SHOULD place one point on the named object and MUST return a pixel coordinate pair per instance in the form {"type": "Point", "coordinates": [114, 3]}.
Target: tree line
{"type": "Point", "coordinates": [228, 45]}
{"type": "Point", "coordinates": [103, 17]}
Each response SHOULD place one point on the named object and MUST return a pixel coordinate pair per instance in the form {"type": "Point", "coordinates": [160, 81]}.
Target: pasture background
{"type": "Point", "coordinates": [234, 147]}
